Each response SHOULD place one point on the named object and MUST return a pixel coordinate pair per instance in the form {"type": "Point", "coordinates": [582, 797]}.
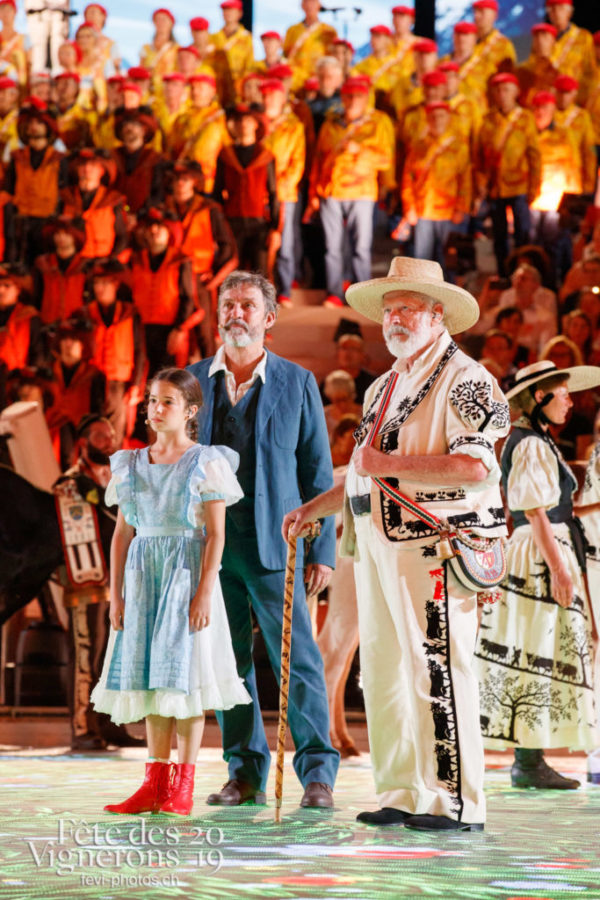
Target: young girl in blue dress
{"type": "Point", "coordinates": [169, 656]}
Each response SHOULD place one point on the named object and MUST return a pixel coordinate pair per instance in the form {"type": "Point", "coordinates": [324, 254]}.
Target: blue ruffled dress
{"type": "Point", "coordinates": [156, 666]}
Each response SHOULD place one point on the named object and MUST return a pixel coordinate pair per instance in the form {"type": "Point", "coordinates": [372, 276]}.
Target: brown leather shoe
{"type": "Point", "coordinates": [317, 794]}
{"type": "Point", "coordinates": [236, 792]}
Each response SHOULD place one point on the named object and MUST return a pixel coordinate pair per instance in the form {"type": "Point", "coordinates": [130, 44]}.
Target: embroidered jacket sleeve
{"type": "Point", "coordinates": [477, 417]}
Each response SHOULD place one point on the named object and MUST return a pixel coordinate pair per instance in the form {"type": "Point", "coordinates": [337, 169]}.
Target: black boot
{"type": "Point", "coordinates": [530, 770]}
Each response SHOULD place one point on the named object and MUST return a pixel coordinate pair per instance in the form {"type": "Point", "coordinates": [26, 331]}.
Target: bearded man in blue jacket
{"type": "Point", "coordinates": [269, 410]}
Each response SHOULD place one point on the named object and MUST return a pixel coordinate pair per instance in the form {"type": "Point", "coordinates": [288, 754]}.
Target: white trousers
{"type": "Point", "coordinates": [417, 635]}
{"type": "Point", "coordinates": [47, 26]}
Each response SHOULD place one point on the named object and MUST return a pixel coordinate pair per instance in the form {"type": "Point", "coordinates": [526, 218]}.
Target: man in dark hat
{"type": "Point", "coordinates": [34, 176]}
{"type": "Point", "coordinates": [101, 207]}
{"type": "Point", "coordinates": [245, 184]}
{"type": "Point", "coordinates": [118, 344]}
{"type": "Point", "coordinates": [351, 357]}
{"type": "Point", "coordinates": [206, 238]}
{"type": "Point", "coordinates": [59, 275]}
{"type": "Point", "coordinates": [139, 176]}
{"type": "Point", "coordinates": [20, 327]}
{"type": "Point", "coordinates": [88, 607]}
{"type": "Point", "coordinates": [163, 290]}
{"type": "Point", "coordinates": [78, 387]}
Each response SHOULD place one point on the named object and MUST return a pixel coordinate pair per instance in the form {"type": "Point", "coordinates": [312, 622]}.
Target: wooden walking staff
{"type": "Point", "coordinates": [286, 650]}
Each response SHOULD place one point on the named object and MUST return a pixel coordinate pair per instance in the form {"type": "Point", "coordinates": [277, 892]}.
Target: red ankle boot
{"type": "Point", "coordinates": [181, 798]}
{"type": "Point", "coordinates": [153, 792]}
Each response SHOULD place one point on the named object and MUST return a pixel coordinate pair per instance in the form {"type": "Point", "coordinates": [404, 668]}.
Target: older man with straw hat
{"type": "Point", "coordinates": [428, 432]}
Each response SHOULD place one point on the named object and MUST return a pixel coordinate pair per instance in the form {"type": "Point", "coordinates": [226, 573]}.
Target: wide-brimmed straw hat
{"type": "Point", "coordinates": [421, 276]}
{"type": "Point", "coordinates": [580, 378]}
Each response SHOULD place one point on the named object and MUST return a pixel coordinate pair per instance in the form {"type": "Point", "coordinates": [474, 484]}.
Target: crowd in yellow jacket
{"type": "Point", "coordinates": [437, 182]}
{"type": "Point", "coordinates": [508, 155]}
{"type": "Point", "coordinates": [286, 141]}
{"type": "Point", "coordinates": [574, 55]}
{"type": "Point", "coordinates": [303, 45]}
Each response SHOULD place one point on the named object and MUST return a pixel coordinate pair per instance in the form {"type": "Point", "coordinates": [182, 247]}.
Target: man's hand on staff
{"type": "Point", "coordinates": [300, 521]}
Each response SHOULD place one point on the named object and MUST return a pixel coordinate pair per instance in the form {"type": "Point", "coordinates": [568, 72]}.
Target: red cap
{"type": "Point", "coordinates": [381, 29]}
{"type": "Point", "coordinates": [63, 75]}
{"type": "Point", "coordinates": [202, 78]}
{"type": "Point", "coordinates": [199, 23]}
{"type": "Point", "coordinates": [116, 79]}
{"type": "Point", "coordinates": [311, 84]}
{"type": "Point", "coordinates": [425, 46]}
{"type": "Point", "coordinates": [232, 4]}
{"type": "Point", "coordinates": [166, 12]}
{"type": "Point", "coordinates": [486, 4]}
{"type": "Point", "coordinates": [271, 85]}
{"type": "Point", "coordinates": [559, 2]}
{"type": "Point", "coordinates": [354, 85]}
{"type": "Point", "coordinates": [174, 76]}
{"type": "Point", "coordinates": [437, 104]}
{"type": "Point", "coordinates": [504, 78]}
{"type": "Point", "coordinates": [403, 11]}
{"type": "Point", "coordinates": [281, 71]}
{"type": "Point", "coordinates": [39, 76]}
{"type": "Point", "coordinates": [449, 66]}
{"type": "Point", "coordinates": [10, 3]}
{"type": "Point", "coordinates": [434, 79]}
{"type": "Point", "coordinates": [189, 49]}
{"type": "Point", "coordinates": [544, 26]}
{"type": "Point", "coordinates": [76, 48]}
{"type": "Point", "coordinates": [139, 73]}
{"type": "Point", "coordinates": [542, 98]}
{"type": "Point", "coordinates": [340, 42]}
{"type": "Point", "coordinates": [274, 35]}
{"type": "Point", "coordinates": [6, 83]}
{"type": "Point", "coordinates": [465, 28]}
{"type": "Point", "coordinates": [566, 83]}
{"type": "Point", "coordinates": [102, 9]}
{"type": "Point", "coordinates": [132, 86]}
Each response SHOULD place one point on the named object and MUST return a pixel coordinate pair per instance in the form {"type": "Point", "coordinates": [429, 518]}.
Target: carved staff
{"type": "Point", "coordinates": [286, 649]}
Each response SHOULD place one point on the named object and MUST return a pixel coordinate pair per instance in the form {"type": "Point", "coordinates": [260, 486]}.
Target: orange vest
{"type": "Point", "coordinates": [99, 218]}
{"type": "Point", "coordinates": [113, 344]}
{"type": "Point", "coordinates": [135, 186]}
{"type": "Point", "coordinates": [15, 336]}
{"type": "Point", "coordinates": [156, 294]}
{"type": "Point", "coordinates": [246, 188]}
{"type": "Point", "coordinates": [63, 291]}
{"type": "Point", "coordinates": [36, 190]}
{"type": "Point", "coordinates": [198, 242]}
{"type": "Point", "coordinates": [73, 402]}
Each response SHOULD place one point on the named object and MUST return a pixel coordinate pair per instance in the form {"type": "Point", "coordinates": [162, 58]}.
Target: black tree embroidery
{"type": "Point", "coordinates": [575, 645]}
{"type": "Point", "coordinates": [526, 701]}
{"type": "Point", "coordinates": [473, 400]}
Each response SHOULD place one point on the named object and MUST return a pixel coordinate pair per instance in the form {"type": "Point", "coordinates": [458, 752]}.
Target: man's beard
{"type": "Point", "coordinates": [96, 456]}
{"type": "Point", "coordinates": [402, 348]}
{"type": "Point", "coordinates": [237, 334]}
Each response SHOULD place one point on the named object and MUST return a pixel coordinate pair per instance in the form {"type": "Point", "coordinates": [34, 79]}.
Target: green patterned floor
{"type": "Point", "coordinates": [536, 844]}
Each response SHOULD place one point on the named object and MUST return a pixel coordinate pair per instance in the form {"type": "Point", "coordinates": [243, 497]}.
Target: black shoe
{"type": "Point", "coordinates": [236, 792]}
{"type": "Point", "coordinates": [530, 770]}
{"type": "Point", "coordinates": [386, 816]}
{"type": "Point", "coordinates": [120, 737]}
{"type": "Point", "coordinates": [440, 823]}
{"type": "Point", "coordinates": [84, 742]}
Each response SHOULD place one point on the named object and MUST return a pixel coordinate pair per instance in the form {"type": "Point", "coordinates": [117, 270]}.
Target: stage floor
{"type": "Point", "coordinates": [56, 842]}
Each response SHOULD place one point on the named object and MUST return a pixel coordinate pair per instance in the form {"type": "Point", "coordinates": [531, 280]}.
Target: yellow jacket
{"type": "Point", "coordinates": [340, 172]}
{"type": "Point", "coordinates": [13, 52]}
{"type": "Point", "coordinates": [537, 73]}
{"type": "Point", "coordinates": [508, 155]}
{"type": "Point", "coordinates": [576, 124]}
{"type": "Point", "coordinates": [159, 62]}
{"type": "Point", "coordinates": [8, 132]}
{"type": "Point", "coordinates": [593, 107]}
{"type": "Point", "coordinates": [287, 143]}
{"type": "Point", "coordinates": [574, 55]}
{"type": "Point", "coordinates": [303, 46]}
{"type": "Point", "coordinates": [382, 72]}
{"type": "Point", "coordinates": [437, 177]}
{"type": "Point", "coordinates": [238, 51]}
{"type": "Point", "coordinates": [469, 117]}
{"type": "Point", "coordinates": [200, 134]}
{"type": "Point", "coordinates": [406, 93]}
{"type": "Point", "coordinates": [559, 172]}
